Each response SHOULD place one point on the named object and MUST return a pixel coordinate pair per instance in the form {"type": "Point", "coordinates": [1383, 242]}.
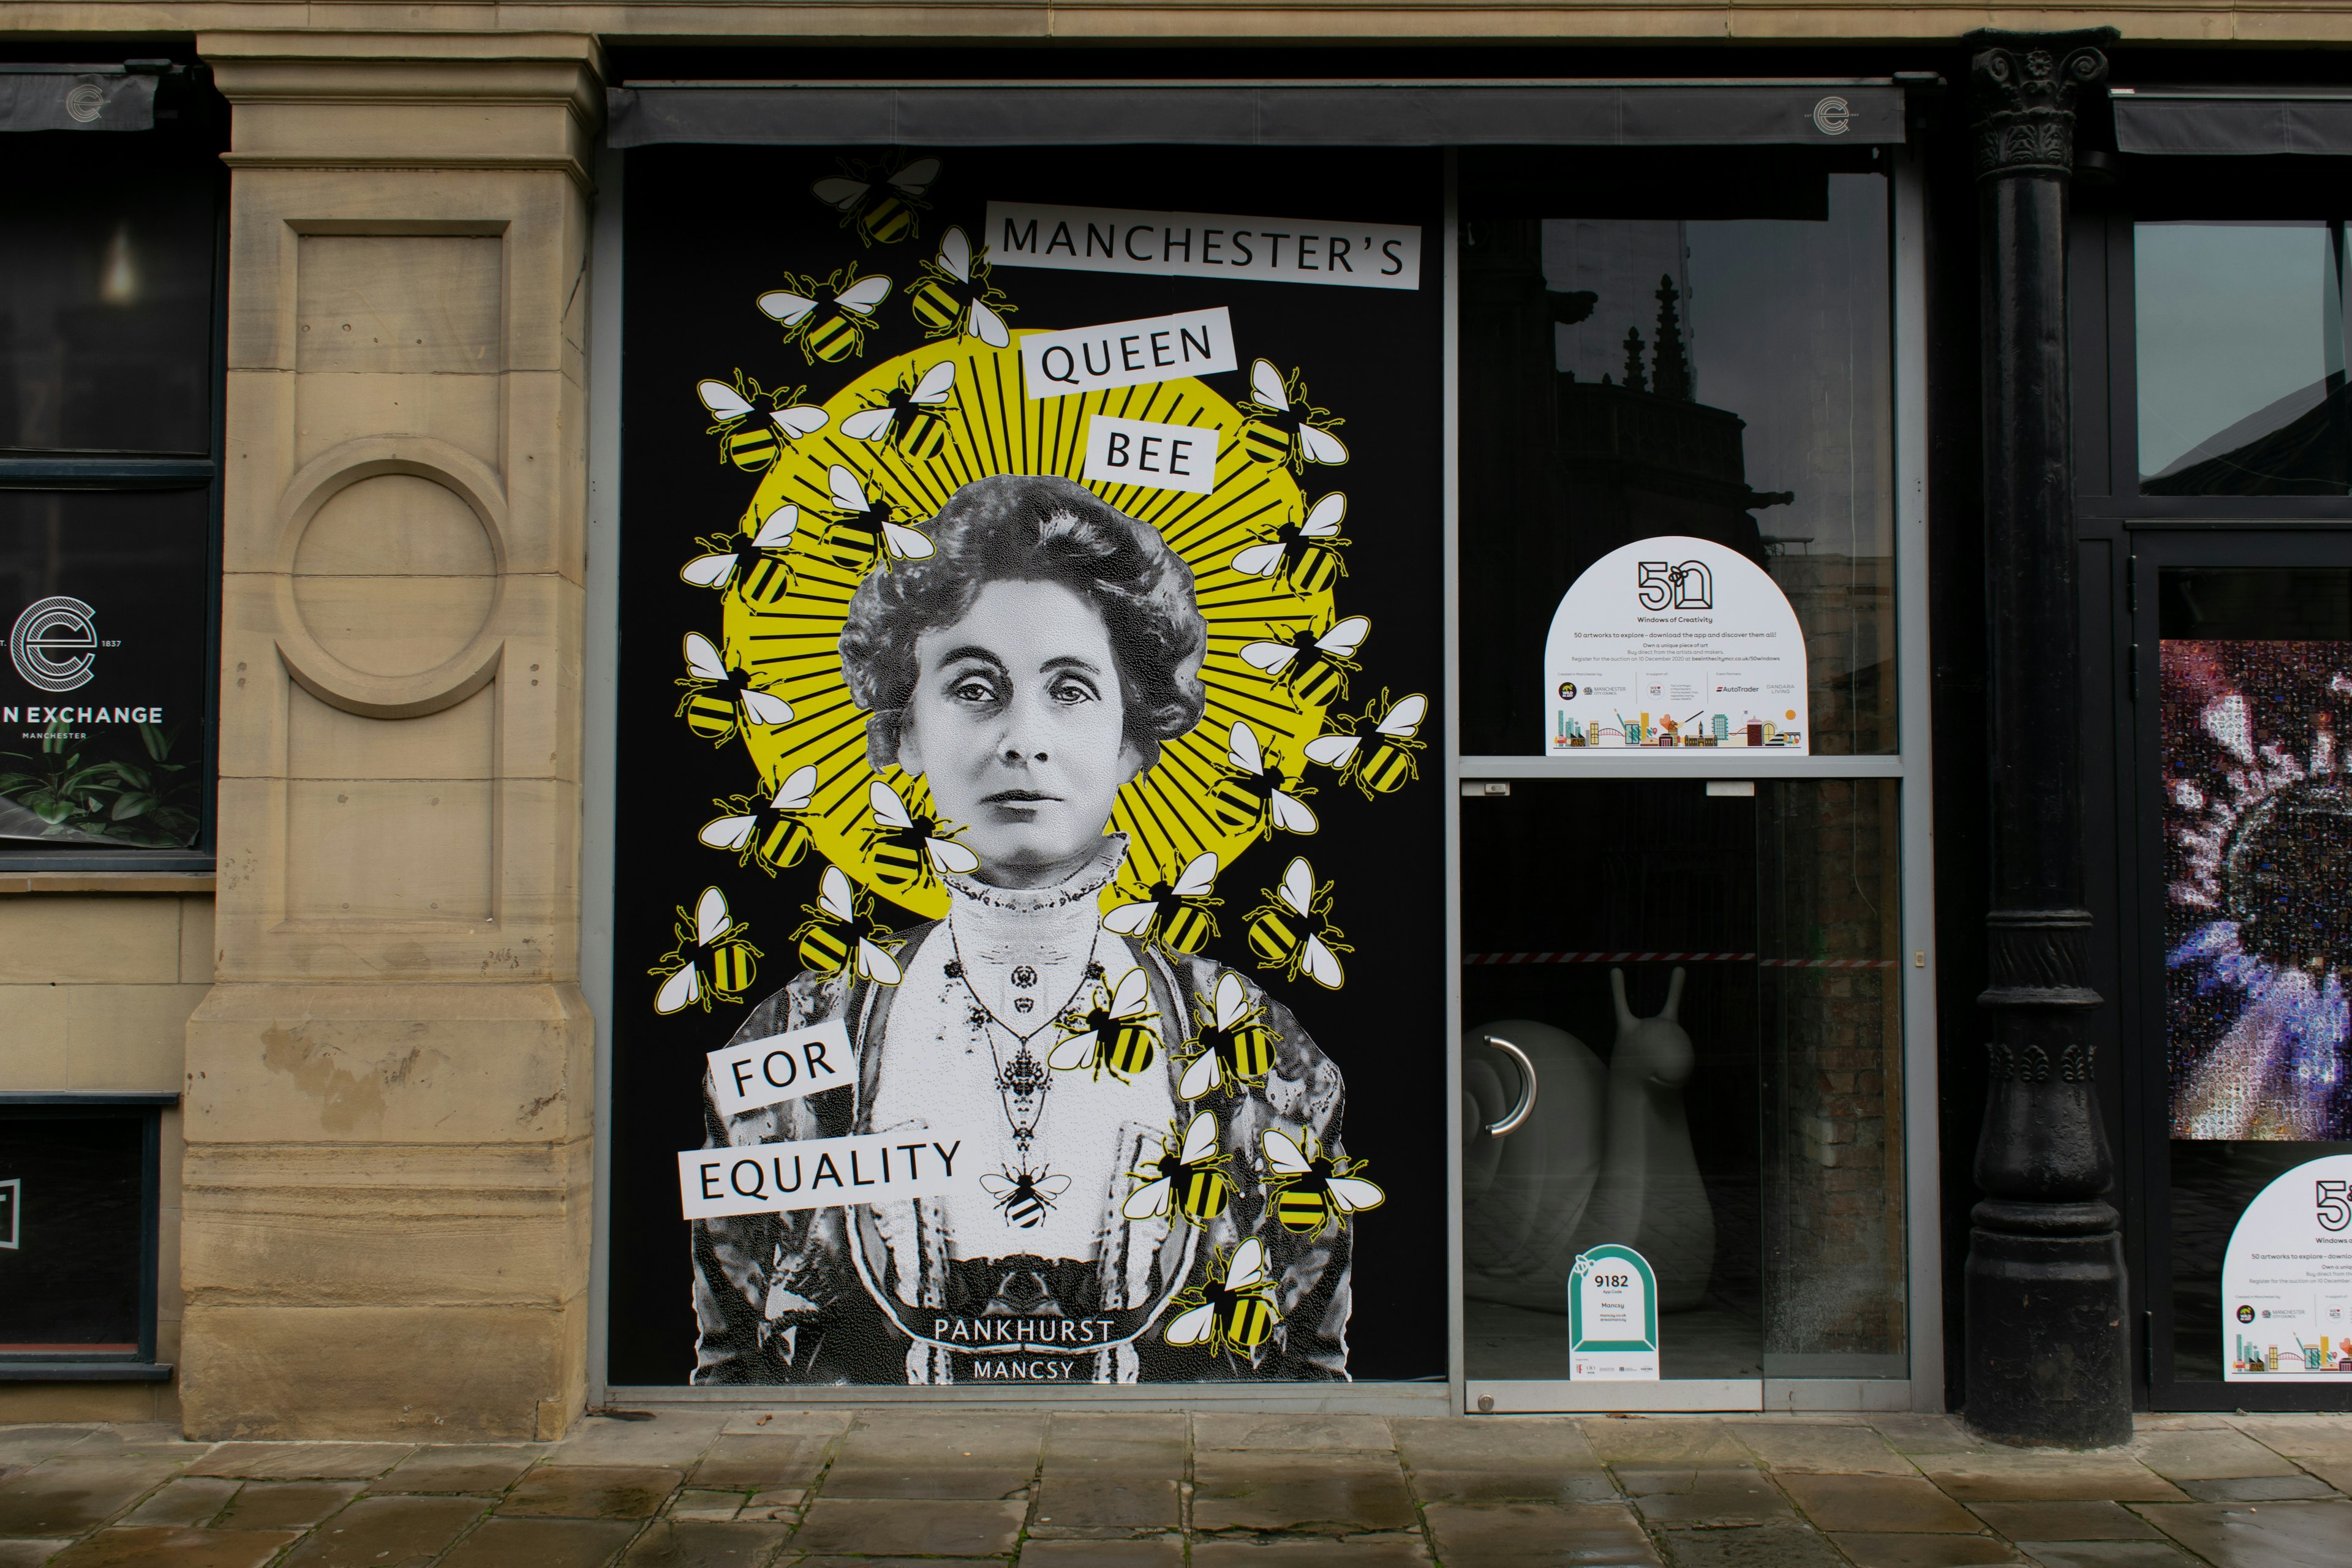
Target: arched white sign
{"type": "Point", "coordinates": [2286, 1281]}
{"type": "Point", "coordinates": [1670, 642]}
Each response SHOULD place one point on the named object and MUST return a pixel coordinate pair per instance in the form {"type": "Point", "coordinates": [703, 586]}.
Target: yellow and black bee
{"type": "Point", "coordinates": [1188, 1177]}
{"type": "Point", "coordinates": [1112, 1032]}
{"type": "Point", "coordinates": [828, 320]}
{"type": "Point", "coordinates": [1255, 794]}
{"type": "Point", "coordinates": [1284, 427]}
{"type": "Point", "coordinates": [841, 932]}
{"type": "Point", "coordinates": [1304, 554]}
{"type": "Point", "coordinates": [954, 295]}
{"type": "Point", "coordinates": [1025, 1195]}
{"type": "Point", "coordinates": [1311, 666]}
{"type": "Point", "coordinates": [1310, 1188]}
{"type": "Point", "coordinates": [773, 831]}
{"type": "Point", "coordinates": [1230, 1310]}
{"type": "Point", "coordinates": [753, 562]}
{"type": "Point", "coordinates": [861, 532]}
{"type": "Point", "coordinates": [909, 849]}
{"type": "Point", "coordinates": [1235, 1046]}
{"type": "Point", "coordinates": [1171, 913]}
{"type": "Point", "coordinates": [1292, 930]}
{"type": "Point", "coordinates": [720, 699]}
{"type": "Point", "coordinates": [711, 961]}
{"type": "Point", "coordinates": [881, 207]}
{"type": "Point", "coordinates": [747, 438]}
{"type": "Point", "coordinates": [908, 414]}
{"type": "Point", "coordinates": [1383, 761]}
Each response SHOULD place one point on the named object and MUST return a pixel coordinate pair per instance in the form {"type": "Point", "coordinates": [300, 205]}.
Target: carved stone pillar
{"type": "Point", "coordinates": [390, 1085]}
{"type": "Point", "coordinates": [2048, 1349]}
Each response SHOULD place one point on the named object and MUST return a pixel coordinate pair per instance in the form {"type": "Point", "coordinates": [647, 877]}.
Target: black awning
{"type": "Point", "coordinates": [1269, 114]}
{"type": "Point", "coordinates": [76, 98]}
{"type": "Point", "coordinates": [2231, 122]}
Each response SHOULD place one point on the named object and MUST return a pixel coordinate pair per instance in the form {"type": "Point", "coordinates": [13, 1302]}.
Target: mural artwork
{"type": "Point", "coordinates": [1025, 787]}
{"type": "Point", "coordinates": [2258, 848]}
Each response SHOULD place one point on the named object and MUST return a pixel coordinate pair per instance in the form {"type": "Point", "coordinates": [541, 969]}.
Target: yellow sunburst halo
{"type": "Point", "coordinates": [988, 425]}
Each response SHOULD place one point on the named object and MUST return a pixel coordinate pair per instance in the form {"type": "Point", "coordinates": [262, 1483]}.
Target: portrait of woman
{"type": "Point", "coordinates": [1026, 671]}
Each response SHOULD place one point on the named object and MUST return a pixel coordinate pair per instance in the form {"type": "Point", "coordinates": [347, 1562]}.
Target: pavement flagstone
{"type": "Point", "coordinates": [703, 1487]}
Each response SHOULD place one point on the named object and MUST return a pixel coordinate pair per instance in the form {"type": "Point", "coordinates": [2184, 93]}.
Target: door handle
{"type": "Point", "coordinates": [1518, 1113]}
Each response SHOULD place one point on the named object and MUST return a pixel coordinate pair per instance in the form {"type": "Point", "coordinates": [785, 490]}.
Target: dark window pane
{"type": "Point", "coordinates": [2240, 332]}
{"type": "Point", "coordinates": [72, 1189]}
{"type": "Point", "coordinates": [1723, 371]}
{"type": "Point", "coordinates": [1768, 1192]}
{"type": "Point", "coordinates": [102, 721]}
{"type": "Point", "coordinates": [106, 319]}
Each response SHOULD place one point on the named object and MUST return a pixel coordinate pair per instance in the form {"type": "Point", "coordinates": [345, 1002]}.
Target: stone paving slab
{"type": "Point", "coordinates": [482, 1468]}
{"type": "Point", "coordinates": [302, 1461]}
{"type": "Point", "coordinates": [1900, 1551]}
{"type": "Point", "coordinates": [164, 1546]}
{"type": "Point", "coordinates": [724, 1488]}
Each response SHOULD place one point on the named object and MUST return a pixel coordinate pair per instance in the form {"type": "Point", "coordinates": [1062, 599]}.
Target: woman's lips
{"type": "Point", "coordinates": [1017, 797]}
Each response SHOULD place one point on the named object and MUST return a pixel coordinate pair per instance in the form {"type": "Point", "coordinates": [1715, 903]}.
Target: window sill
{"type": "Point", "coordinates": [85, 1371]}
{"type": "Point", "coordinates": [106, 882]}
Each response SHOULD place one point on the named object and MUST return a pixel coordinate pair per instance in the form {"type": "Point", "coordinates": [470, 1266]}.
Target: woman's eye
{"type": "Point", "coordinates": [974, 691]}
{"type": "Point", "coordinates": [1073, 691]}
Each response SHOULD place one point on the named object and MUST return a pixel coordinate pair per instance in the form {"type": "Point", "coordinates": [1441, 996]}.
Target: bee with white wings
{"type": "Point", "coordinates": [1311, 666]}
{"type": "Point", "coordinates": [712, 960]}
{"type": "Point", "coordinates": [909, 413]}
{"type": "Point", "coordinates": [862, 532]}
{"type": "Point", "coordinates": [1255, 793]}
{"type": "Point", "coordinates": [1305, 554]}
{"type": "Point", "coordinates": [748, 437]}
{"type": "Point", "coordinates": [1171, 913]}
{"type": "Point", "coordinates": [1312, 1188]}
{"type": "Point", "coordinates": [773, 832]}
{"type": "Point", "coordinates": [1230, 1310]}
{"type": "Point", "coordinates": [752, 563]}
{"type": "Point", "coordinates": [1292, 930]}
{"type": "Point", "coordinates": [1235, 1046]}
{"type": "Point", "coordinates": [720, 698]}
{"type": "Point", "coordinates": [841, 933]}
{"type": "Point", "coordinates": [880, 206]}
{"type": "Point", "coordinates": [830, 319]}
{"type": "Point", "coordinates": [1284, 427]}
{"type": "Point", "coordinates": [1374, 750]}
{"type": "Point", "coordinates": [910, 849]}
{"type": "Point", "coordinates": [1110, 1032]}
{"type": "Point", "coordinates": [954, 295]}
{"type": "Point", "coordinates": [1189, 1178]}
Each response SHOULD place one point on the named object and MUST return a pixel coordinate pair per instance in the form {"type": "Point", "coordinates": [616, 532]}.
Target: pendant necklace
{"type": "Point", "coordinates": [1023, 1083]}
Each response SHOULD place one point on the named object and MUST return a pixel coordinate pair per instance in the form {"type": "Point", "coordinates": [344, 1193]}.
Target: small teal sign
{"type": "Point", "coordinates": [1612, 1315]}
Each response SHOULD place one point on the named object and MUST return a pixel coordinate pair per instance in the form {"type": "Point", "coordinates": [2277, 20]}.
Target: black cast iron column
{"type": "Point", "coordinates": [2048, 1352]}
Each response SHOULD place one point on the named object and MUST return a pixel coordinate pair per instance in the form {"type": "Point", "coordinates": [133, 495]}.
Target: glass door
{"type": "Point", "coordinates": [1681, 879]}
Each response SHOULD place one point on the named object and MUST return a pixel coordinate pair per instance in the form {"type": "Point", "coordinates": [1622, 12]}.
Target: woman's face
{"type": "Point", "coordinates": [1018, 724]}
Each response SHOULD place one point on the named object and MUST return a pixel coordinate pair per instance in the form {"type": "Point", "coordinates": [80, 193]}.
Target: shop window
{"type": "Point", "coordinates": [77, 1234]}
{"type": "Point", "coordinates": [2239, 346]}
{"type": "Point", "coordinates": [1667, 345]}
{"type": "Point", "coordinates": [112, 363]}
{"type": "Point", "coordinates": [1715, 1019]}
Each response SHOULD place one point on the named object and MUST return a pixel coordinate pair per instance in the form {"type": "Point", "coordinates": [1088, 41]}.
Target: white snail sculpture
{"type": "Point", "coordinates": [1605, 1155]}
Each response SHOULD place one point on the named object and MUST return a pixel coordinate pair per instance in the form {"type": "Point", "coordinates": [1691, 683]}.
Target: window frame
{"type": "Point", "coordinates": [1911, 764]}
{"type": "Point", "coordinates": [107, 1366]}
{"type": "Point", "coordinates": [69, 470]}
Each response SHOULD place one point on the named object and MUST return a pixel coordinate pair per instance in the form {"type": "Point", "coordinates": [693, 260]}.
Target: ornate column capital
{"type": "Point", "coordinates": [2024, 88]}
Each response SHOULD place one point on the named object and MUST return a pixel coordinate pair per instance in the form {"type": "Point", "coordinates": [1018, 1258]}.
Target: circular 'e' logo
{"type": "Point", "coordinates": [1831, 115]}
{"type": "Point", "coordinates": [85, 103]}
{"type": "Point", "coordinates": [54, 644]}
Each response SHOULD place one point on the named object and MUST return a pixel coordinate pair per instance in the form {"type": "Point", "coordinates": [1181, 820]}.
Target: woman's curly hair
{"type": "Point", "coordinates": [1035, 528]}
